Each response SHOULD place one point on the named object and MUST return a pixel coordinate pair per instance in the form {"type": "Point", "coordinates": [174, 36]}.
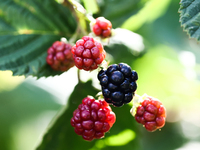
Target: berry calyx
{"type": "Point", "coordinates": [151, 113]}
{"type": "Point", "coordinates": [88, 53]}
{"type": "Point", "coordinates": [102, 27]}
{"type": "Point", "coordinates": [92, 119]}
{"type": "Point", "coordinates": [59, 56]}
{"type": "Point", "coordinates": [118, 84]}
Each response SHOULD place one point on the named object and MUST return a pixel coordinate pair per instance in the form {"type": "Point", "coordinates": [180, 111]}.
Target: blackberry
{"type": "Point", "coordinates": [59, 56]}
{"type": "Point", "coordinates": [92, 119]}
{"type": "Point", "coordinates": [102, 27]}
{"type": "Point", "coordinates": [118, 84]}
{"type": "Point", "coordinates": [151, 113]}
{"type": "Point", "coordinates": [88, 53]}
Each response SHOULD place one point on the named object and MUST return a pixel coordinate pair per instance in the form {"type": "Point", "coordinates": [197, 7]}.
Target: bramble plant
{"type": "Point", "coordinates": [47, 38]}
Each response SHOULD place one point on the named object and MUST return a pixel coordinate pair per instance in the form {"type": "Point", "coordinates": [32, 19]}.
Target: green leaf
{"type": "Point", "coordinates": [126, 43]}
{"type": "Point", "coordinates": [190, 17]}
{"type": "Point", "coordinates": [27, 29]}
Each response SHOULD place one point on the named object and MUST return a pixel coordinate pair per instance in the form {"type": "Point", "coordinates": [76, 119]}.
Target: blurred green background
{"type": "Point", "coordinates": [168, 69]}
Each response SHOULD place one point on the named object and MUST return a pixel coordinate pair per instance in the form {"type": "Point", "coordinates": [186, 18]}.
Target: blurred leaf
{"type": "Point", "coordinates": [171, 34]}
{"type": "Point", "coordinates": [23, 103]}
{"type": "Point", "coordinates": [150, 12]}
{"type": "Point", "coordinates": [161, 31]}
{"type": "Point", "coordinates": [169, 138]}
{"type": "Point", "coordinates": [123, 138]}
{"type": "Point", "coordinates": [27, 29]}
{"type": "Point", "coordinates": [124, 46]}
{"type": "Point", "coordinates": [190, 17]}
{"type": "Point", "coordinates": [117, 11]}
{"type": "Point", "coordinates": [9, 82]}
{"type": "Point", "coordinates": [5, 138]}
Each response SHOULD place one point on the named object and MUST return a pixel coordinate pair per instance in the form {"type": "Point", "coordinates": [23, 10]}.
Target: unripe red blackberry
{"type": "Point", "coordinates": [102, 27]}
{"type": "Point", "coordinates": [92, 119]}
{"type": "Point", "coordinates": [118, 84]}
{"type": "Point", "coordinates": [151, 113]}
{"type": "Point", "coordinates": [88, 53]}
{"type": "Point", "coordinates": [59, 56]}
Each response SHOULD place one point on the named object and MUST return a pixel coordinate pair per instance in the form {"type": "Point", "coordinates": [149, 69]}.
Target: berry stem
{"type": "Point", "coordinates": [81, 16]}
{"type": "Point", "coordinates": [78, 75]}
{"type": "Point", "coordinates": [74, 36]}
{"type": "Point", "coordinates": [137, 99]}
{"type": "Point", "coordinates": [103, 65]}
{"type": "Point", "coordinates": [76, 10]}
{"type": "Point", "coordinates": [99, 96]}
{"type": "Point", "coordinates": [80, 9]}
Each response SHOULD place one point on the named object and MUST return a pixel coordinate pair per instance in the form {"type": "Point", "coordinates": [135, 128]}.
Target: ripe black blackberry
{"type": "Point", "coordinates": [118, 83]}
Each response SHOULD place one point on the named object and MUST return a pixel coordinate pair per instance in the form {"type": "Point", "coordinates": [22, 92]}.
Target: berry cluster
{"type": "Point", "coordinates": [92, 119]}
{"type": "Point", "coordinates": [151, 113]}
{"type": "Point", "coordinates": [102, 27]}
{"type": "Point", "coordinates": [118, 84]}
{"type": "Point", "coordinates": [88, 53]}
{"type": "Point", "coordinates": [59, 56]}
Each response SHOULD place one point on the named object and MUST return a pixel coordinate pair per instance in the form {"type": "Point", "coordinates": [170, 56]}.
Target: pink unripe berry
{"type": "Point", "coordinates": [59, 56]}
{"type": "Point", "coordinates": [151, 113]}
